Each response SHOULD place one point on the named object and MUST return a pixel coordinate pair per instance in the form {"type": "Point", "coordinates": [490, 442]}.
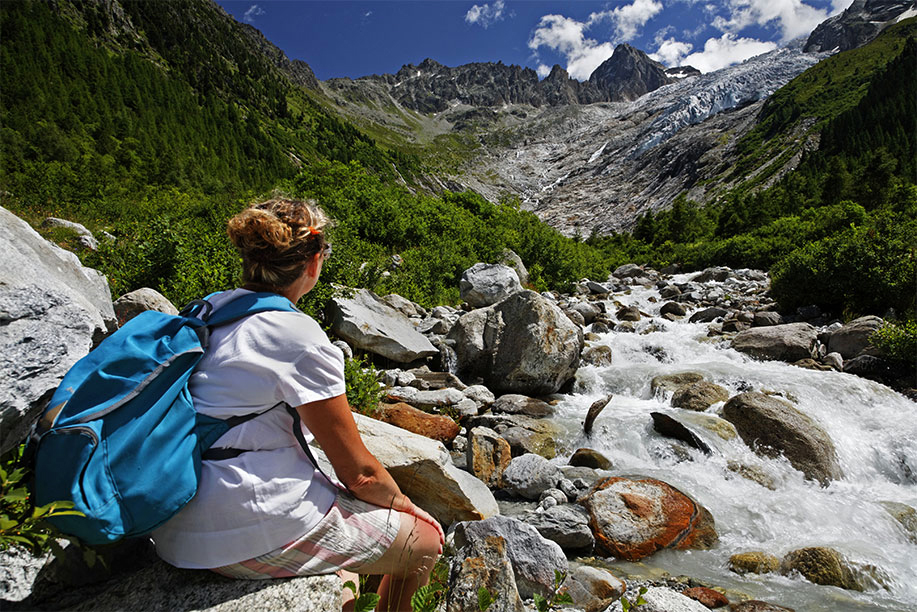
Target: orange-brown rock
{"type": "Point", "coordinates": [488, 455]}
{"type": "Point", "coordinates": [632, 519]}
{"type": "Point", "coordinates": [708, 597]}
{"type": "Point", "coordinates": [435, 426]}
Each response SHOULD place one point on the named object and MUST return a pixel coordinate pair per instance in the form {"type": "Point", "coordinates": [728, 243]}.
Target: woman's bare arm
{"type": "Point", "coordinates": [332, 424]}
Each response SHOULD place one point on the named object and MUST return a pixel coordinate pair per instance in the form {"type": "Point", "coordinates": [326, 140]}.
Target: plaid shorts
{"type": "Point", "coordinates": [352, 534]}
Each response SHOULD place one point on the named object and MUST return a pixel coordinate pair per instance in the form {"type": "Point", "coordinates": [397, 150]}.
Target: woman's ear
{"type": "Point", "coordinates": [314, 266]}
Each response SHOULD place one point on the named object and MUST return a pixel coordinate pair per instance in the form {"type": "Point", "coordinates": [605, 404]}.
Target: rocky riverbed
{"type": "Point", "coordinates": [653, 430]}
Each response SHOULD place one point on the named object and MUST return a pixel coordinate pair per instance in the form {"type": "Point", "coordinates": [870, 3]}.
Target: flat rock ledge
{"type": "Point", "coordinates": [161, 587]}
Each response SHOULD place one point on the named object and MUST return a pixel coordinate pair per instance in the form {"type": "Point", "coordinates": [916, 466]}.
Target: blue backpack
{"type": "Point", "coordinates": [120, 437]}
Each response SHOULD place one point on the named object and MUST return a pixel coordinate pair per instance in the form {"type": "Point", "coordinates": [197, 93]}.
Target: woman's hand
{"type": "Point", "coordinates": [332, 424]}
{"type": "Point", "coordinates": [423, 515]}
{"type": "Point", "coordinates": [404, 504]}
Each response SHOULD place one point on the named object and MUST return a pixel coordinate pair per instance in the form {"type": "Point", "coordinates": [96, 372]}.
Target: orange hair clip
{"type": "Point", "coordinates": [314, 231]}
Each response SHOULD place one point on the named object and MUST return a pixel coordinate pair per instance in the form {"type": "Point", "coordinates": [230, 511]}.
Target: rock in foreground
{"type": "Point", "coordinates": [790, 342]}
{"type": "Point", "coordinates": [367, 322]}
{"type": "Point", "coordinates": [772, 426]}
{"type": "Point", "coordinates": [632, 519]}
{"type": "Point", "coordinates": [52, 310]}
{"type": "Point", "coordinates": [533, 557]}
{"type": "Point", "coordinates": [424, 471]}
{"type": "Point", "coordinates": [524, 344]}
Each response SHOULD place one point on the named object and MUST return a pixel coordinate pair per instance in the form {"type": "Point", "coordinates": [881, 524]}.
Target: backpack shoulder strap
{"type": "Point", "coordinates": [297, 432]}
{"type": "Point", "coordinates": [248, 304]}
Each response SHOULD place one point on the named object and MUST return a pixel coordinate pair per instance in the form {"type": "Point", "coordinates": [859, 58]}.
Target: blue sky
{"type": "Point", "coordinates": [344, 38]}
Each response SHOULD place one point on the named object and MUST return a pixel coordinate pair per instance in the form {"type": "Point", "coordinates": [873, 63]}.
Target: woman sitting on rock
{"type": "Point", "coordinates": [269, 512]}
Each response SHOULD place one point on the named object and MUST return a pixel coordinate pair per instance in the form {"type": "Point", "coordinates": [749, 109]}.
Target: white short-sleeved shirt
{"type": "Point", "coordinates": [251, 504]}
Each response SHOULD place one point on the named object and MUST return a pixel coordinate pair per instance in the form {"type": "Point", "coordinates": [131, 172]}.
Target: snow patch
{"type": "Point", "coordinates": [555, 183]}
{"type": "Point", "coordinates": [911, 12]}
{"type": "Point", "coordinates": [596, 155]}
{"type": "Point", "coordinates": [692, 102]}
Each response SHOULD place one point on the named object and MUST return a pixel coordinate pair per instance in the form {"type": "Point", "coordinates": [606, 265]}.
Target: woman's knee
{"type": "Point", "coordinates": [422, 546]}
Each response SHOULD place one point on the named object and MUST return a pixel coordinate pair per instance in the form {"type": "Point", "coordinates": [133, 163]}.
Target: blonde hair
{"type": "Point", "coordinates": [276, 240]}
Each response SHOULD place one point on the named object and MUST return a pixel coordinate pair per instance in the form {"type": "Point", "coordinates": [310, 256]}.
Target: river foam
{"type": "Point", "coordinates": [873, 429]}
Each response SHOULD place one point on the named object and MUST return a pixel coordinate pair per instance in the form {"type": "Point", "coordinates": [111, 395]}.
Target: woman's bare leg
{"type": "Point", "coordinates": [348, 598]}
{"type": "Point", "coordinates": [406, 564]}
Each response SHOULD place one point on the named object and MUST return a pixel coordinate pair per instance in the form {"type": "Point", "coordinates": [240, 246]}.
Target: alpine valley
{"type": "Point", "coordinates": [150, 119]}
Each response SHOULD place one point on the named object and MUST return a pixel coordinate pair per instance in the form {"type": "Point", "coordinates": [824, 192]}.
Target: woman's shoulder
{"type": "Point", "coordinates": [293, 327]}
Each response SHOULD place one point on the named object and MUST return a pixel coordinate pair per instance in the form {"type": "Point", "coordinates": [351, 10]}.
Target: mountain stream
{"type": "Point", "coordinates": [874, 430]}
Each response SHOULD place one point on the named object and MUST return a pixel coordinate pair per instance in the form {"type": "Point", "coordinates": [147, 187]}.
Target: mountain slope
{"type": "Point", "coordinates": [597, 166]}
{"type": "Point", "coordinates": [103, 98]}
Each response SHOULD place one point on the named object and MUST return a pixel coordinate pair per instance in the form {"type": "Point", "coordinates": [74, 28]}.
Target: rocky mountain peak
{"type": "Point", "coordinates": [430, 65]}
{"type": "Point", "coordinates": [559, 89]}
{"type": "Point", "coordinates": [859, 24]}
{"type": "Point", "coordinates": [628, 74]}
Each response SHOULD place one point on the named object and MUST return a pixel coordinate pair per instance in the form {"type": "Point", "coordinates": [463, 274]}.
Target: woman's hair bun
{"type": "Point", "coordinates": [254, 230]}
{"type": "Point", "coordinates": [276, 238]}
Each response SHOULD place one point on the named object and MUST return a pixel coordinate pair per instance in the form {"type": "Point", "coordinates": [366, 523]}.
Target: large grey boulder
{"type": "Point", "coordinates": [162, 587]}
{"type": "Point", "coordinates": [524, 344]}
{"type": "Point", "coordinates": [528, 475]}
{"type": "Point", "coordinates": [424, 471]}
{"type": "Point", "coordinates": [533, 557]}
{"type": "Point", "coordinates": [852, 338]}
{"type": "Point", "coordinates": [367, 322]}
{"type": "Point", "coordinates": [789, 342]}
{"type": "Point", "coordinates": [486, 284]}
{"type": "Point", "coordinates": [565, 524]}
{"type": "Point", "coordinates": [52, 311]}
{"type": "Point", "coordinates": [772, 426]}
{"type": "Point", "coordinates": [483, 563]}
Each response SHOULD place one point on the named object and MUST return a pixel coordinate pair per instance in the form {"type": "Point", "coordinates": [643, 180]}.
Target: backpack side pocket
{"type": "Point", "coordinates": [72, 466]}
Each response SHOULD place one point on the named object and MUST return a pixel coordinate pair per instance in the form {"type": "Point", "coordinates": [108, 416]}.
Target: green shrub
{"type": "Point", "coordinates": [862, 270]}
{"type": "Point", "coordinates": [897, 341]}
{"type": "Point", "coordinates": [364, 392]}
{"type": "Point", "coordinates": [21, 524]}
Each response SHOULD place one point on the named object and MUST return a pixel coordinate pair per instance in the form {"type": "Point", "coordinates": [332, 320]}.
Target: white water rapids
{"type": "Point", "coordinates": [874, 430]}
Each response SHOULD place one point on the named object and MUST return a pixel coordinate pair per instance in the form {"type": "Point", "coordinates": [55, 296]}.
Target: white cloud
{"type": "Point", "coordinates": [252, 12]}
{"type": "Point", "coordinates": [629, 19]}
{"type": "Point", "coordinates": [725, 51]}
{"type": "Point", "coordinates": [793, 18]}
{"type": "Point", "coordinates": [560, 33]}
{"type": "Point", "coordinates": [543, 70]}
{"type": "Point", "coordinates": [485, 15]}
{"type": "Point", "coordinates": [567, 36]}
{"type": "Point", "coordinates": [671, 52]}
